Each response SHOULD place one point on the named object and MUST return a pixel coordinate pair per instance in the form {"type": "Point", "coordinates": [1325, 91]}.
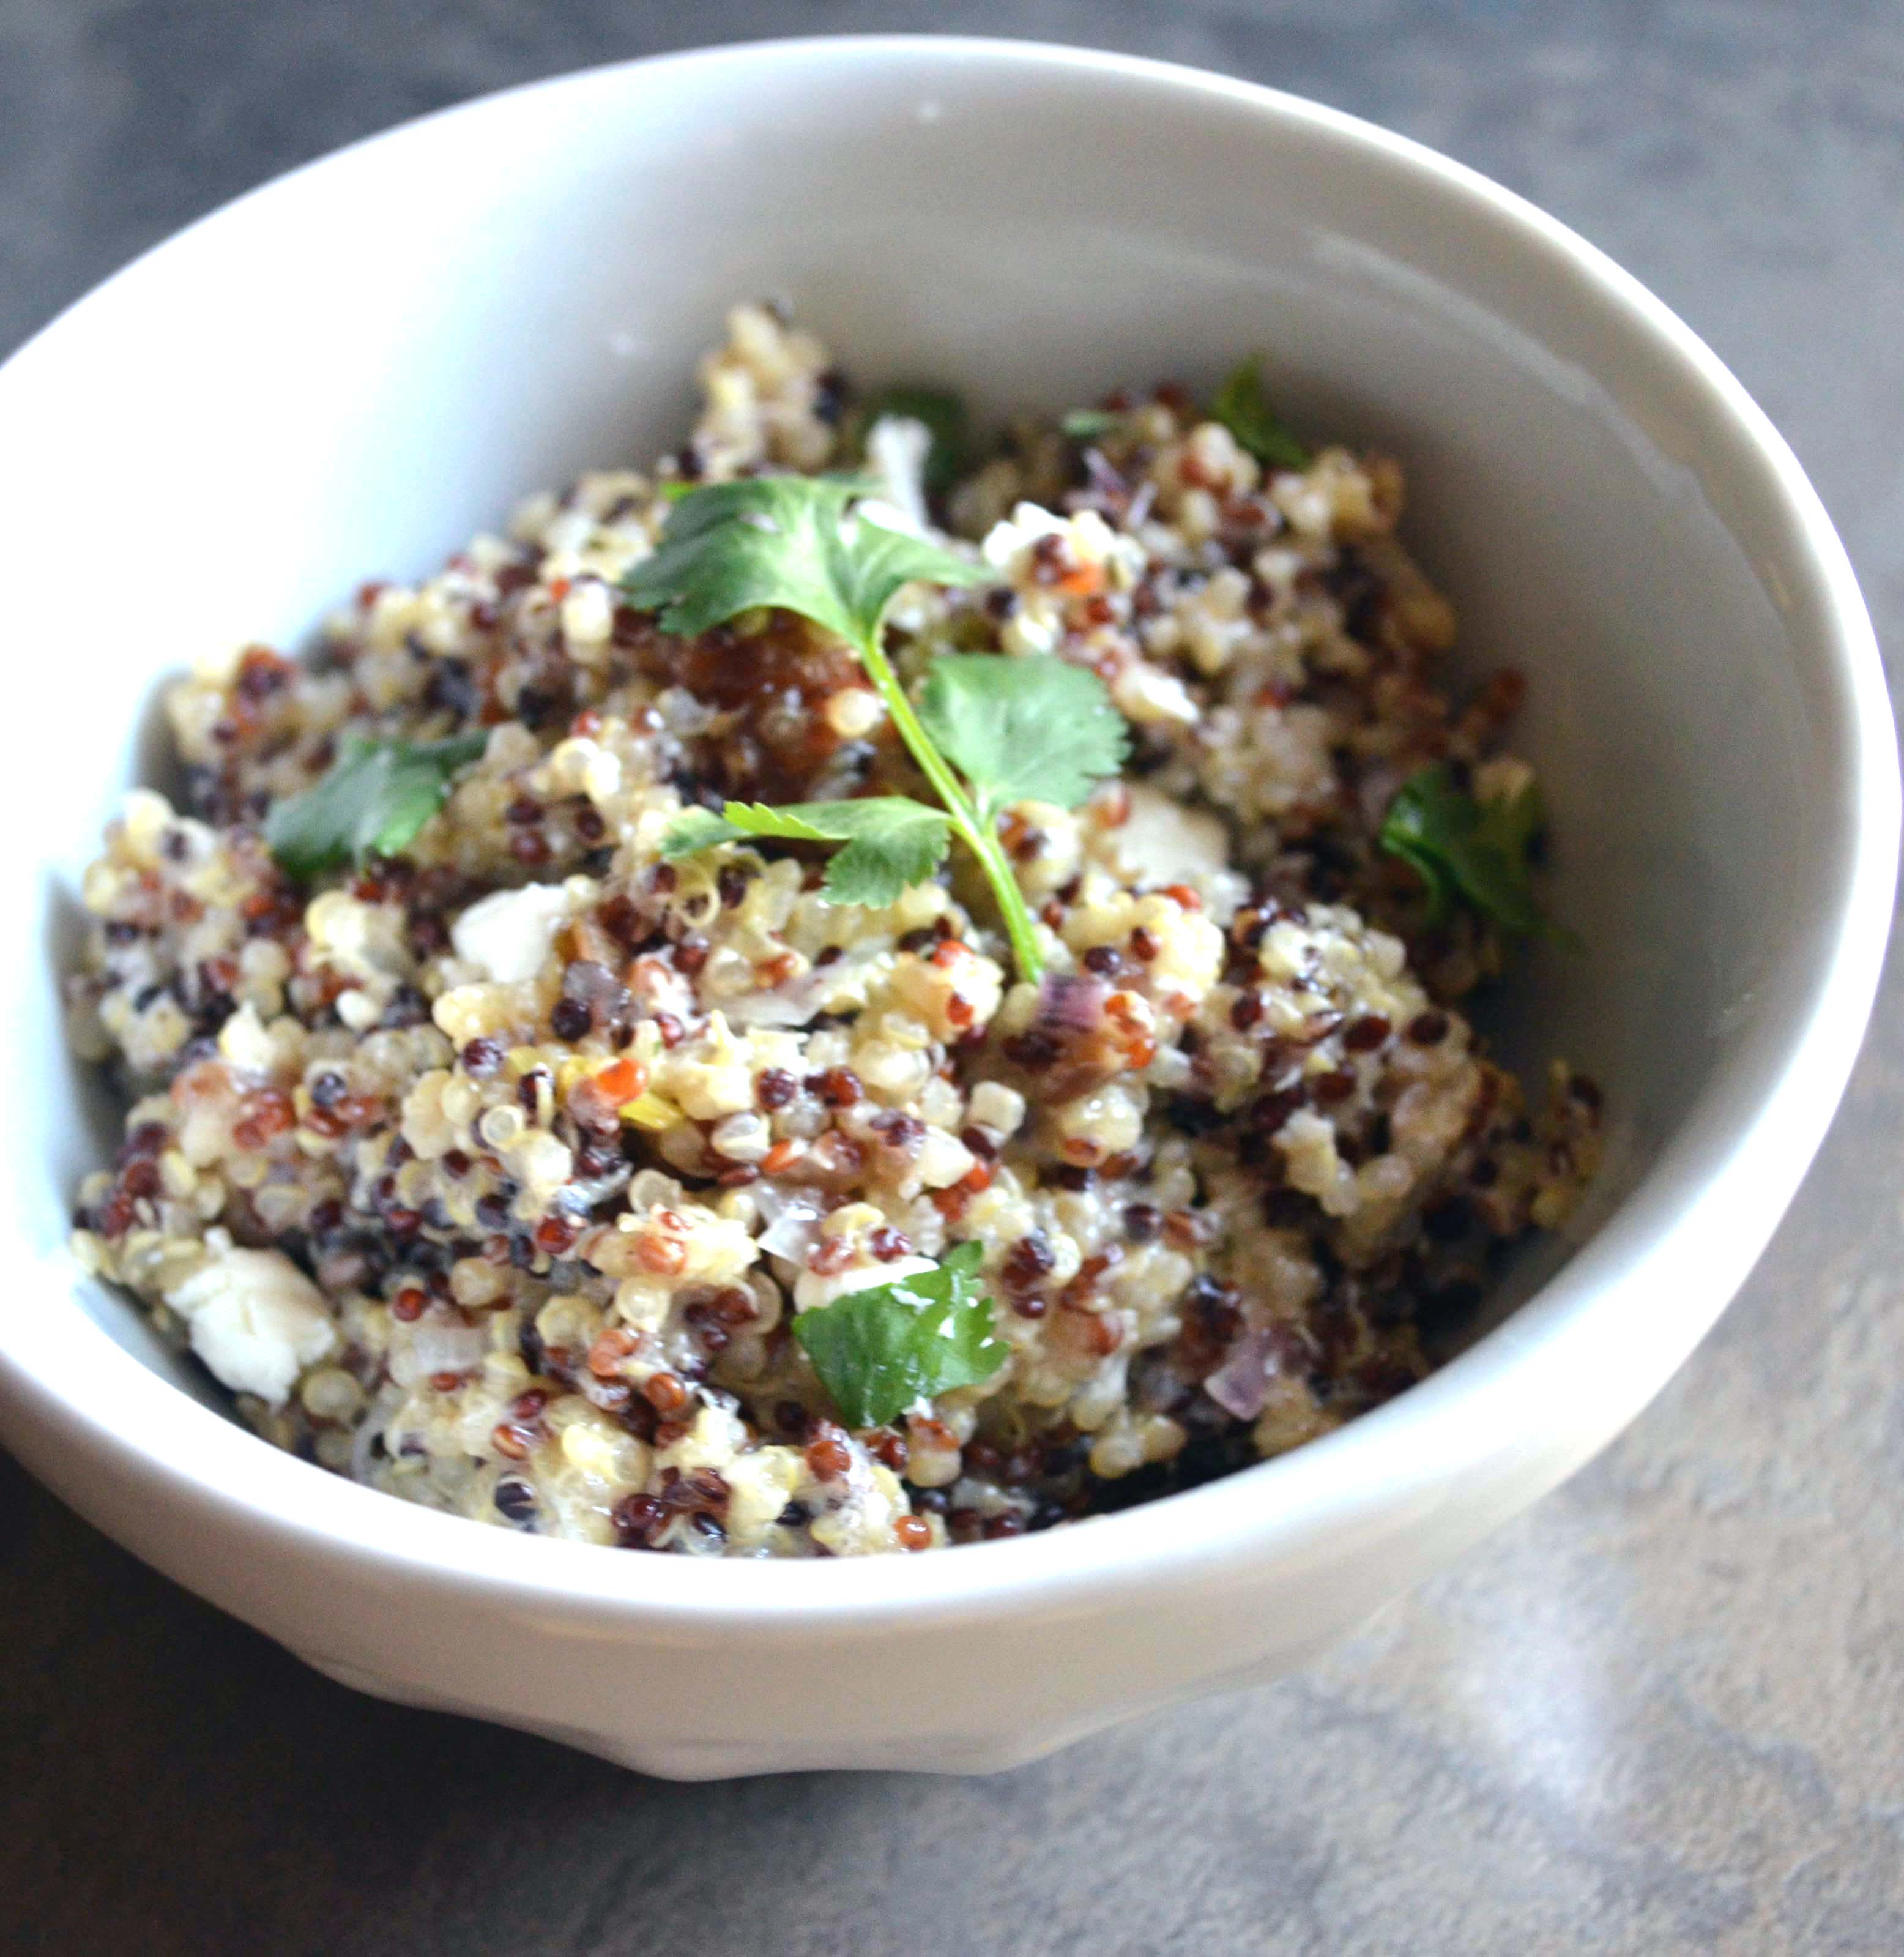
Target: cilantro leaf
{"type": "Point", "coordinates": [1035, 728]}
{"type": "Point", "coordinates": [1088, 424]}
{"type": "Point", "coordinates": [891, 841]}
{"type": "Point", "coordinates": [1242, 408]}
{"type": "Point", "coordinates": [1474, 851]}
{"type": "Point", "coordinates": [877, 1351]}
{"type": "Point", "coordinates": [945, 419]}
{"type": "Point", "coordinates": [375, 799]}
{"type": "Point", "coordinates": [727, 547]}
{"type": "Point", "coordinates": [879, 561]}
{"type": "Point", "coordinates": [784, 540]}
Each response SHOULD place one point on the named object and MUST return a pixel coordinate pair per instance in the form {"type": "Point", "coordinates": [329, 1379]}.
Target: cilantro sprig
{"type": "Point", "coordinates": [877, 1351]}
{"type": "Point", "coordinates": [987, 731]}
{"type": "Point", "coordinates": [374, 799]}
{"type": "Point", "coordinates": [1244, 410]}
{"type": "Point", "coordinates": [1474, 852]}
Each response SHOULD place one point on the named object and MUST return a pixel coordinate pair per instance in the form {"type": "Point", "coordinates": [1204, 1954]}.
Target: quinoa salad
{"type": "Point", "coordinates": [536, 1113]}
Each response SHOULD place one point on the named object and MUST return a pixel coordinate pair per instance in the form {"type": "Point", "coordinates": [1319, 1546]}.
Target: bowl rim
{"type": "Point", "coordinates": [1396, 1457]}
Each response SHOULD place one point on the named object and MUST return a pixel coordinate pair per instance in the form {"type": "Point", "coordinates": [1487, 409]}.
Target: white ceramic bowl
{"type": "Point", "coordinates": [349, 371]}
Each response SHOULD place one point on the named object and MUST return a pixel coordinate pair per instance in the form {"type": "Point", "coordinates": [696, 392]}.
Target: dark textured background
{"type": "Point", "coordinates": [1660, 1713]}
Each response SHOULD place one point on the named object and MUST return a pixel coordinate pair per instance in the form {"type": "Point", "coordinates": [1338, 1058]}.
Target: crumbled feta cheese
{"type": "Point", "coordinates": [588, 615]}
{"type": "Point", "coordinates": [1162, 841]}
{"type": "Point", "coordinates": [256, 1320]}
{"type": "Point", "coordinates": [1145, 692]}
{"type": "Point", "coordinates": [508, 934]}
{"type": "Point", "coordinates": [896, 446]}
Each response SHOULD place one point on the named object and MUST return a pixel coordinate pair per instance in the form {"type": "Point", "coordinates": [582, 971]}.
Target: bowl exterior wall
{"type": "Point", "coordinates": [685, 1703]}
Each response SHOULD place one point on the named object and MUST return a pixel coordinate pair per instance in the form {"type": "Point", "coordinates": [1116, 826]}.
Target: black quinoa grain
{"type": "Point", "coordinates": [831, 389]}
{"type": "Point", "coordinates": [569, 1019]}
{"type": "Point", "coordinates": [407, 1007]}
{"type": "Point", "coordinates": [1449, 1222]}
{"type": "Point", "coordinates": [1190, 1116]}
{"type": "Point", "coordinates": [516, 1501]}
{"type": "Point", "coordinates": [1142, 1221]}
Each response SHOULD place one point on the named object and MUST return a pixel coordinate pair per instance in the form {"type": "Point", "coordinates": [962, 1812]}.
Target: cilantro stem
{"type": "Point", "coordinates": [977, 831]}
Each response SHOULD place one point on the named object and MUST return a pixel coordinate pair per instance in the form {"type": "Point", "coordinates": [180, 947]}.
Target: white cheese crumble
{"type": "Point", "coordinates": [1163, 842]}
{"type": "Point", "coordinates": [256, 1320]}
{"type": "Point", "coordinates": [897, 446]}
{"type": "Point", "coordinates": [508, 934]}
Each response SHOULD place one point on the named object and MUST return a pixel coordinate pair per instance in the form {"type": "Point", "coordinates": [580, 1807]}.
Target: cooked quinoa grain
{"type": "Point", "coordinates": [494, 1174]}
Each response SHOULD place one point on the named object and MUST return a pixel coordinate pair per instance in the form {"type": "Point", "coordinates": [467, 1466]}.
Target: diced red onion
{"type": "Point", "coordinates": [1241, 1384]}
{"type": "Point", "coordinates": [792, 1221]}
{"type": "Point", "coordinates": [1070, 1002]}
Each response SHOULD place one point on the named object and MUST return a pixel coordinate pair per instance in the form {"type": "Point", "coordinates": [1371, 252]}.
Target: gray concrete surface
{"type": "Point", "coordinates": [1660, 1714]}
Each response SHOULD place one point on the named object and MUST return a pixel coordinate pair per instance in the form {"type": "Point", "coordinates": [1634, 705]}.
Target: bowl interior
{"type": "Point", "coordinates": [347, 373]}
